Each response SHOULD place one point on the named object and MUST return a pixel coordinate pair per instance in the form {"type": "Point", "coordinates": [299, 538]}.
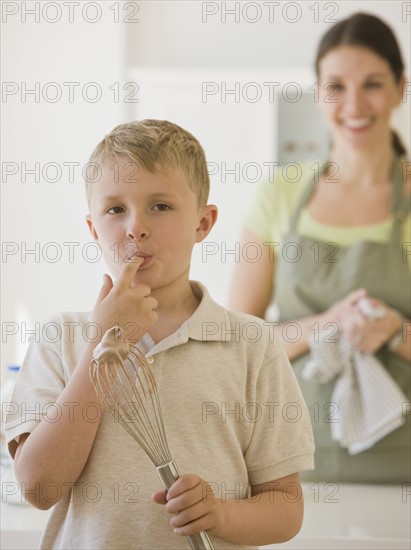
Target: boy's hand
{"type": "Point", "coordinates": [193, 505]}
{"type": "Point", "coordinates": [129, 307]}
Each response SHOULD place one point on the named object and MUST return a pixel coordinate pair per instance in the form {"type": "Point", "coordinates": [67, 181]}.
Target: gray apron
{"type": "Point", "coordinates": [323, 275]}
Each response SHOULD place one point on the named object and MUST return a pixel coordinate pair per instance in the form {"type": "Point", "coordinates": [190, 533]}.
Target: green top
{"type": "Point", "coordinates": [270, 212]}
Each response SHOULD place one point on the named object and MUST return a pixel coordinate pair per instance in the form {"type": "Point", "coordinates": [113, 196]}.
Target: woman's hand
{"type": "Point", "coordinates": [193, 506]}
{"type": "Point", "coordinates": [372, 334]}
{"type": "Point", "coordinates": [364, 334]}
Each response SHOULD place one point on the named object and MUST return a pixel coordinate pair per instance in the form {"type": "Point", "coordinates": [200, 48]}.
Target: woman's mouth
{"type": "Point", "coordinates": [357, 124]}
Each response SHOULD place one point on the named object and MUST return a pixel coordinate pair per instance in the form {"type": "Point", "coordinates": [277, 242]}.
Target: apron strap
{"type": "Point", "coordinates": [400, 206]}
{"type": "Point", "coordinates": [305, 195]}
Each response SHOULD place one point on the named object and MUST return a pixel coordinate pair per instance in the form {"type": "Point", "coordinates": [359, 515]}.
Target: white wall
{"type": "Point", "coordinates": [190, 34]}
{"type": "Point", "coordinates": [73, 49]}
{"type": "Point", "coordinates": [35, 129]}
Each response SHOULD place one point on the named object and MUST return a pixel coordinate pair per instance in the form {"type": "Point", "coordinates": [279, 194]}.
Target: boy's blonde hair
{"type": "Point", "coordinates": [155, 145]}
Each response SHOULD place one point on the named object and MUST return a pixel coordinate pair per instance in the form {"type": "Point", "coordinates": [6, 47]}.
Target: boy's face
{"type": "Point", "coordinates": [156, 216]}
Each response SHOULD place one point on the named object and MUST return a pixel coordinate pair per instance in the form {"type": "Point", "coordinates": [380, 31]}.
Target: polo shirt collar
{"type": "Point", "coordinates": [210, 321]}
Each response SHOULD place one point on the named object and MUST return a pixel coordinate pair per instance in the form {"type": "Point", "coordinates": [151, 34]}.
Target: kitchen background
{"type": "Point", "coordinates": [239, 76]}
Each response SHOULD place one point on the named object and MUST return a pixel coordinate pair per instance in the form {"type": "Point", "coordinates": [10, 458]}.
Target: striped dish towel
{"type": "Point", "coordinates": [369, 403]}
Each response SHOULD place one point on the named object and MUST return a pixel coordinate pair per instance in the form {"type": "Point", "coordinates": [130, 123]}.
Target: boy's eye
{"type": "Point", "coordinates": [115, 210]}
{"type": "Point", "coordinates": [373, 84]}
{"type": "Point", "coordinates": [160, 207]}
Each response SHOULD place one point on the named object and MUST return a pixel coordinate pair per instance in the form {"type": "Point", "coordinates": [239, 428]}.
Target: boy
{"type": "Point", "coordinates": [233, 413]}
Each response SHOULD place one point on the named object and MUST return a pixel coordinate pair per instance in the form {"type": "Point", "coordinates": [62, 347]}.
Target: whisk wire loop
{"type": "Point", "coordinates": [119, 389]}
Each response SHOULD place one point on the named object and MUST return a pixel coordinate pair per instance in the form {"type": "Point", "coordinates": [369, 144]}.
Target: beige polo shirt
{"type": "Point", "coordinates": [233, 414]}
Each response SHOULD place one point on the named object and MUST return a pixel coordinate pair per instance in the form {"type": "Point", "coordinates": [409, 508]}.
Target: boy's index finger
{"type": "Point", "coordinates": [130, 268]}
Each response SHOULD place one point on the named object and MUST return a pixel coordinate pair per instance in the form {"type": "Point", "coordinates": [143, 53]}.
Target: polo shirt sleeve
{"type": "Point", "coordinates": [282, 440]}
{"type": "Point", "coordinates": [39, 383]}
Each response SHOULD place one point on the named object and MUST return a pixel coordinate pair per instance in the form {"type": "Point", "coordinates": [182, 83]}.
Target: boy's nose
{"type": "Point", "coordinates": [137, 229]}
{"type": "Point", "coordinates": [136, 236]}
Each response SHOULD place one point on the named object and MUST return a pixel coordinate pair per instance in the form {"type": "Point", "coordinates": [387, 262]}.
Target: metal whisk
{"type": "Point", "coordinates": [126, 386]}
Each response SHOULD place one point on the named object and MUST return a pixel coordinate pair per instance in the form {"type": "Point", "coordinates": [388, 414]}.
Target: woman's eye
{"type": "Point", "coordinates": [333, 87]}
{"type": "Point", "coordinates": [161, 207]}
{"type": "Point", "coordinates": [115, 210]}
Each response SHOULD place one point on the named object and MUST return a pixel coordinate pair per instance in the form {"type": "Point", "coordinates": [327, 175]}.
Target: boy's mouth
{"type": "Point", "coordinates": [146, 257]}
{"type": "Point", "coordinates": [146, 260]}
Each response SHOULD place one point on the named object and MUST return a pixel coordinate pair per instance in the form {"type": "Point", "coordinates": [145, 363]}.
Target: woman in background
{"type": "Point", "coordinates": [343, 234]}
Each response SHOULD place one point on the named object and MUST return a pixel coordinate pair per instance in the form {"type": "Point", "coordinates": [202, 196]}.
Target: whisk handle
{"type": "Point", "coordinates": [168, 474]}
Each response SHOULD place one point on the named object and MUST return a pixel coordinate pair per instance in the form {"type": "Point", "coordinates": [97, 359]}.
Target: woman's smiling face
{"type": "Point", "coordinates": [357, 94]}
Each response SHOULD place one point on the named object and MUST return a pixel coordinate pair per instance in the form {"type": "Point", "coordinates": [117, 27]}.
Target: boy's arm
{"type": "Point", "coordinates": [57, 451]}
{"type": "Point", "coordinates": [273, 513]}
